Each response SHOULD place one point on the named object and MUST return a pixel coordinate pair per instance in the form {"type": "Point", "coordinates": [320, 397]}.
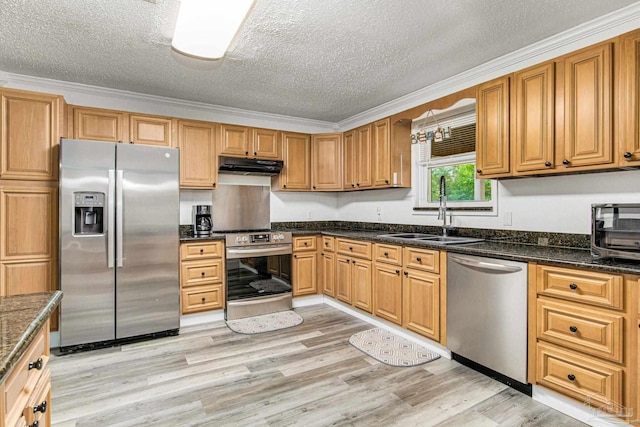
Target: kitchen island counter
{"type": "Point", "coordinates": [22, 317]}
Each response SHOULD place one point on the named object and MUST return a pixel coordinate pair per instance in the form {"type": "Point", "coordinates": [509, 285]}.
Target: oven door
{"type": "Point", "coordinates": [258, 280]}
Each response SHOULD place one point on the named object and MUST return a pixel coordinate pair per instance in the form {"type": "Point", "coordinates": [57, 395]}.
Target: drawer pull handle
{"type": "Point", "coordinates": [201, 250]}
{"type": "Point", "coordinates": [40, 408]}
{"type": "Point", "coordinates": [573, 286]}
{"type": "Point", "coordinates": [36, 365]}
{"type": "Point", "coordinates": [573, 329]}
{"type": "Point", "coordinates": [203, 300]}
{"type": "Point", "coordinates": [571, 377]}
{"type": "Point", "coordinates": [419, 259]}
{"type": "Point", "coordinates": [202, 274]}
{"type": "Point", "coordinates": [350, 248]}
{"type": "Point", "coordinates": [386, 254]}
{"type": "Point", "coordinates": [306, 243]}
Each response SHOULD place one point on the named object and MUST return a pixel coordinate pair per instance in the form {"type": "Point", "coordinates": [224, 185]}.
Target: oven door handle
{"type": "Point", "coordinates": [249, 252]}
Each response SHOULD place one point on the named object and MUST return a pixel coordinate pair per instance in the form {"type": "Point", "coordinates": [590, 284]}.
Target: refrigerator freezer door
{"type": "Point", "coordinates": [147, 252]}
{"type": "Point", "coordinates": [87, 310]}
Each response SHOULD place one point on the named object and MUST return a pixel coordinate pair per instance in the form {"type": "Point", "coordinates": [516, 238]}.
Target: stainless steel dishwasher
{"type": "Point", "coordinates": [487, 316]}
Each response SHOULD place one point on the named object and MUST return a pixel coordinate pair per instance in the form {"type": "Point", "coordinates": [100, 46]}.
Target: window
{"type": "Point", "coordinates": [446, 148]}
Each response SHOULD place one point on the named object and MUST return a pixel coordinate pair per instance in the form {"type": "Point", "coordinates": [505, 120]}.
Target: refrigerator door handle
{"type": "Point", "coordinates": [111, 230]}
{"type": "Point", "coordinates": [119, 217]}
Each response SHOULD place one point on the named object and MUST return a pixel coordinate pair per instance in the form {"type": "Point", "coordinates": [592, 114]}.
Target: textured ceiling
{"type": "Point", "coordinates": [318, 59]}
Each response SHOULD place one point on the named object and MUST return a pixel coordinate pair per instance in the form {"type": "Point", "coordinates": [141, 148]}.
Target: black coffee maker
{"type": "Point", "coordinates": [202, 224]}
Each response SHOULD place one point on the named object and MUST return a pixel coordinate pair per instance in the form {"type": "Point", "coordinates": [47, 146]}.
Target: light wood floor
{"type": "Point", "coordinates": [307, 376]}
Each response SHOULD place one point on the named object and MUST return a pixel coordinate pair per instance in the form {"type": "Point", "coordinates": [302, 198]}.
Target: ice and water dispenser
{"type": "Point", "coordinates": [89, 213]}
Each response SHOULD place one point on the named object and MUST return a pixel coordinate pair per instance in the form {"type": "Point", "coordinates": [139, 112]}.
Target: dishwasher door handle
{"type": "Point", "coordinates": [485, 265]}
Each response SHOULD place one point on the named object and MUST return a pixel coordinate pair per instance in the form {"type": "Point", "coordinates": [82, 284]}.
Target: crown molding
{"type": "Point", "coordinates": [102, 97]}
{"type": "Point", "coordinates": [597, 30]}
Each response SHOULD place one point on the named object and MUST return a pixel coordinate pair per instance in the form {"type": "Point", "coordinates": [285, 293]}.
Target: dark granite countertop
{"type": "Point", "coordinates": [22, 317]}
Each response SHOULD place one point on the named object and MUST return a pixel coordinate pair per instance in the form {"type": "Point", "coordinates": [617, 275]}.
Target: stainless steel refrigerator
{"type": "Point", "coordinates": [119, 260]}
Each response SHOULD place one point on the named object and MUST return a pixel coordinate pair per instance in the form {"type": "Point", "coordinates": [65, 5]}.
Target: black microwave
{"type": "Point", "coordinates": [615, 230]}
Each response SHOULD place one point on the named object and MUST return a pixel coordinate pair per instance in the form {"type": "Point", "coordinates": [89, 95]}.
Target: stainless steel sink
{"type": "Point", "coordinates": [451, 240]}
{"type": "Point", "coordinates": [432, 238]}
{"type": "Point", "coordinates": [407, 236]}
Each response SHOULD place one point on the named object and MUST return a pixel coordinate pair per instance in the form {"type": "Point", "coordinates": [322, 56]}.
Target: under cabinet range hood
{"type": "Point", "coordinates": [249, 166]}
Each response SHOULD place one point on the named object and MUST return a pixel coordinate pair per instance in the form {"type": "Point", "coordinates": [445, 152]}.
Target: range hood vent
{"type": "Point", "coordinates": [249, 166]}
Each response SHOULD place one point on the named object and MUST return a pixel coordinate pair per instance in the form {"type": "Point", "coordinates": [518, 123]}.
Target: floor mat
{"type": "Point", "coordinates": [265, 322]}
{"type": "Point", "coordinates": [391, 349]}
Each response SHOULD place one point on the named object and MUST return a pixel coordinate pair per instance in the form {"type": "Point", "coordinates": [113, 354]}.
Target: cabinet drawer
{"type": "Point", "coordinates": [387, 253]}
{"type": "Point", "coordinates": [192, 251]}
{"type": "Point", "coordinates": [196, 272]}
{"type": "Point", "coordinates": [306, 243]}
{"type": "Point", "coordinates": [22, 381]}
{"type": "Point", "coordinates": [354, 248]}
{"type": "Point", "coordinates": [328, 244]}
{"type": "Point", "coordinates": [581, 377]}
{"type": "Point", "coordinates": [589, 287]}
{"type": "Point", "coordinates": [202, 298]}
{"type": "Point", "coordinates": [586, 329]}
{"type": "Point", "coordinates": [422, 259]}
{"type": "Point", "coordinates": [38, 407]}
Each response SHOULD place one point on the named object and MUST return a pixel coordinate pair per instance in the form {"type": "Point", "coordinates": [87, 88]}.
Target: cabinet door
{"type": "Point", "coordinates": [99, 125]}
{"type": "Point", "coordinates": [343, 279]}
{"type": "Point", "coordinates": [387, 293]}
{"type": "Point", "coordinates": [150, 130]}
{"type": "Point", "coordinates": [534, 101]}
{"type": "Point", "coordinates": [361, 273]}
{"type": "Point", "coordinates": [198, 161]}
{"type": "Point", "coordinates": [421, 304]}
{"type": "Point", "coordinates": [587, 111]}
{"type": "Point", "coordinates": [363, 160]}
{"type": "Point", "coordinates": [328, 274]}
{"type": "Point", "coordinates": [25, 277]}
{"type": "Point", "coordinates": [305, 273]}
{"type": "Point", "coordinates": [266, 144]}
{"type": "Point", "coordinates": [27, 222]}
{"type": "Point", "coordinates": [492, 129]}
{"type": "Point", "coordinates": [28, 132]}
{"type": "Point", "coordinates": [235, 141]}
{"type": "Point", "coordinates": [630, 97]}
{"type": "Point", "coordinates": [296, 153]}
{"type": "Point", "coordinates": [382, 153]}
{"type": "Point", "coordinates": [326, 162]}
{"type": "Point", "coordinates": [349, 160]}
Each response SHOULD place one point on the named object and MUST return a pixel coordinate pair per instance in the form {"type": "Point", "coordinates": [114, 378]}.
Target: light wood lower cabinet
{"type": "Point", "coordinates": [26, 391]}
{"type": "Point", "coordinates": [328, 266]}
{"type": "Point", "coordinates": [305, 266]}
{"type": "Point", "coordinates": [354, 273]}
{"type": "Point", "coordinates": [387, 282]}
{"type": "Point", "coordinates": [580, 340]}
{"type": "Point", "coordinates": [202, 277]}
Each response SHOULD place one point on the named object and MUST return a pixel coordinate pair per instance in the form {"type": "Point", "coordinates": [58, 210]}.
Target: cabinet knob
{"type": "Point", "coordinates": [203, 300]}
{"type": "Point", "coordinates": [213, 184]}
{"type": "Point", "coordinates": [627, 155]}
{"type": "Point", "coordinates": [479, 171]}
{"type": "Point", "coordinates": [419, 259]}
{"type": "Point", "coordinates": [406, 273]}
{"type": "Point", "coordinates": [322, 254]}
{"type": "Point", "coordinates": [326, 243]}
{"type": "Point", "coordinates": [40, 408]}
{"type": "Point", "coordinates": [201, 251]}
{"type": "Point", "coordinates": [255, 153]}
{"type": "Point", "coordinates": [386, 254]}
{"type": "Point", "coordinates": [284, 186]}
{"type": "Point", "coordinates": [547, 164]}
{"type": "Point", "coordinates": [36, 365]}
{"type": "Point", "coordinates": [246, 153]}
{"type": "Point", "coordinates": [353, 185]}
{"type": "Point", "coordinates": [130, 142]}
{"type": "Point", "coordinates": [295, 256]}
{"type": "Point", "coordinates": [35, 424]}
{"type": "Point", "coordinates": [571, 377]}
{"type": "Point", "coordinates": [306, 243]}
{"type": "Point", "coordinates": [398, 272]}
{"type": "Point", "coordinates": [386, 181]}
{"type": "Point", "coordinates": [202, 274]}
{"type": "Point", "coordinates": [566, 162]}
{"type": "Point", "coordinates": [573, 286]}
{"type": "Point", "coordinates": [353, 262]}
{"type": "Point", "coordinates": [573, 329]}
{"type": "Point", "coordinates": [350, 248]}
{"type": "Point", "coordinates": [314, 187]}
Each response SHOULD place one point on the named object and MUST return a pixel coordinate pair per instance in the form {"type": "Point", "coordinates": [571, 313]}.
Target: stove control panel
{"type": "Point", "coordinates": [264, 238]}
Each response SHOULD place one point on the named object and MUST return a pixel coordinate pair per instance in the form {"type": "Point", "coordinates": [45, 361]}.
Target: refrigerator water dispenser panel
{"type": "Point", "coordinates": [89, 213]}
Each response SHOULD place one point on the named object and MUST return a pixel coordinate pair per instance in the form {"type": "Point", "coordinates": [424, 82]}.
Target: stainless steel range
{"type": "Point", "coordinates": [258, 273]}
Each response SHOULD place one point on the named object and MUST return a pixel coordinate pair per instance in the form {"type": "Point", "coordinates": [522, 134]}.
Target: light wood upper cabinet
{"type": "Point", "coordinates": [96, 124]}
{"type": "Point", "coordinates": [492, 129]}
{"type": "Point", "coordinates": [391, 148]}
{"type": "Point", "coordinates": [349, 160]}
{"type": "Point", "coordinates": [588, 105]}
{"type": "Point", "coordinates": [242, 141]}
{"type": "Point", "coordinates": [150, 130]}
{"type": "Point", "coordinates": [198, 160]}
{"type": "Point", "coordinates": [358, 160]}
{"type": "Point", "coordinates": [296, 153]}
{"type": "Point", "coordinates": [629, 96]}
{"type": "Point", "coordinates": [326, 162]}
{"type": "Point", "coordinates": [533, 106]}
{"type": "Point", "coordinates": [30, 127]}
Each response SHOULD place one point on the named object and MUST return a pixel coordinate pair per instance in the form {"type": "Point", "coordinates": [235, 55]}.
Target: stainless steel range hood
{"type": "Point", "coordinates": [249, 166]}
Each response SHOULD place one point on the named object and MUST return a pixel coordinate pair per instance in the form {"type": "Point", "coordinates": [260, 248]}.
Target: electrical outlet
{"type": "Point", "coordinates": [378, 210]}
{"type": "Point", "coordinates": [507, 219]}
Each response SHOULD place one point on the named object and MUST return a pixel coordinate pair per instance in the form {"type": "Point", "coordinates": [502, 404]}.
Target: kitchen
{"type": "Point", "coordinates": [552, 204]}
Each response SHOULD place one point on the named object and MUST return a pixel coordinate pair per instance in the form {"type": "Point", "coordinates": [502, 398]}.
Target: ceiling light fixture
{"type": "Point", "coordinates": [205, 28]}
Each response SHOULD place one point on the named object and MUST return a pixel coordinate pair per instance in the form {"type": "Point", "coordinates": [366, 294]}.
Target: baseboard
{"type": "Point", "coordinates": [306, 301]}
{"type": "Point", "coordinates": [200, 318]}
